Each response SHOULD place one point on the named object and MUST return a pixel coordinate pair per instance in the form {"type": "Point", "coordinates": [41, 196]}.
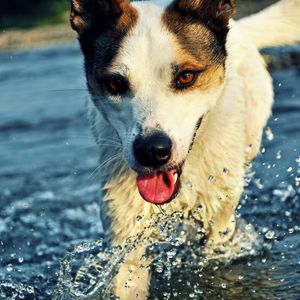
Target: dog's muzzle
{"type": "Point", "coordinates": [153, 151]}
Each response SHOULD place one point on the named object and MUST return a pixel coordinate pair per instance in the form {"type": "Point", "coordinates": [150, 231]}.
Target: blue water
{"type": "Point", "coordinates": [49, 201]}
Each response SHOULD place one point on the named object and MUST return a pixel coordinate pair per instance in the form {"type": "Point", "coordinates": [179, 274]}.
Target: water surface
{"type": "Point", "coordinates": [49, 200]}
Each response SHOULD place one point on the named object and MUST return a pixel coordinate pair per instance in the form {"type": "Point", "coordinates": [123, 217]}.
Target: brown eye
{"type": "Point", "coordinates": [116, 85]}
{"type": "Point", "coordinates": [186, 79]}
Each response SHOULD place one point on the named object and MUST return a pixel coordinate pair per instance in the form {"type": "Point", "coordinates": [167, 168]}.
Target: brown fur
{"type": "Point", "coordinates": [198, 47]}
{"type": "Point", "coordinates": [201, 25]}
{"type": "Point", "coordinates": [211, 74]}
{"type": "Point", "coordinates": [91, 19]}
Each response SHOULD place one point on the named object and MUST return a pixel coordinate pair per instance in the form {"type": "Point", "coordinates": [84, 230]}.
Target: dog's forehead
{"type": "Point", "coordinates": [161, 38]}
{"type": "Point", "coordinates": [148, 45]}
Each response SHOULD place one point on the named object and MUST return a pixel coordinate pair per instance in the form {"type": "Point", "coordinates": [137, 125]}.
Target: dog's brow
{"type": "Point", "coordinates": [120, 69]}
{"type": "Point", "coordinates": [188, 66]}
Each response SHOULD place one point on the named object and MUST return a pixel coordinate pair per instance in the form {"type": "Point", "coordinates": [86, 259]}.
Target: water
{"type": "Point", "coordinates": [49, 200]}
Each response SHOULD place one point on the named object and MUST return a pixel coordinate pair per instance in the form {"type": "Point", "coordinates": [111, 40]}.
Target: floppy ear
{"type": "Point", "coordinates": [212, 12]}
{"type": "Point", "coordinates": [95, 15]}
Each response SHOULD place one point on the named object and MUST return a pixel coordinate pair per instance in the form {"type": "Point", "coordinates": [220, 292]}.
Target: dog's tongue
{"type": "Point", "coordinates": [157, 188]}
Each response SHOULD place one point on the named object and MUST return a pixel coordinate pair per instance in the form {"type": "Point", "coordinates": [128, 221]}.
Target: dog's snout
{"type": "Point", "coordinates": [153, 150]}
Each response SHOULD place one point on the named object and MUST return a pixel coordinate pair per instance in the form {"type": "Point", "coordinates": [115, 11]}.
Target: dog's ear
{"type": "Point", "coordinates": [94, 15]}
{"type": "Point", "coordinates": [212, 12]}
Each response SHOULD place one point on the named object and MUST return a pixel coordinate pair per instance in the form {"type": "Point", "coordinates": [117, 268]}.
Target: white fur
{"type": "Point", "coordinates": [235, 115]}
{"type": "Point", "coordinates": [145, 58]}
{"type": "Point", "coordinates": [276, 25]}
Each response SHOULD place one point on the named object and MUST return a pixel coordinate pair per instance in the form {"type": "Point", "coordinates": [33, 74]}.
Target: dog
{"type": "Point", "coordinates": [179, 98]}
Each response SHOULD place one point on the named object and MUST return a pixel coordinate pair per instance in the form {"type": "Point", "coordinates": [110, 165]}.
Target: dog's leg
{"type": "Point", "coordinates": [222, 227]}
{"type": "Point", "coordinates": [133, 279]}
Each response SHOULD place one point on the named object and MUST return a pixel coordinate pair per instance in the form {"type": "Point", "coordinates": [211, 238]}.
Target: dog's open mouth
{"type": "Point", "coordinates": [159, 187]}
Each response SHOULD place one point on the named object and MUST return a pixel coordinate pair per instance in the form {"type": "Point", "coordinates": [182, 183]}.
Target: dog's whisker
{"type": "Point", "coordinates": [116, 146]}
{"type": "Point", "coordinates": [111, 145]}
{"type": "Point", "coordinates": [108, 140]}
{"type": "Point", "coordinates": [99, 168]}
{"type": "Point", "coordinates": [102, 165]}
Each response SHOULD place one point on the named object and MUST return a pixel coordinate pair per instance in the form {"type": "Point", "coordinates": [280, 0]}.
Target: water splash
{"type": "Point", "coordinates": [15, 291]}
{"type": "Point", "coordinates": [88, 272]}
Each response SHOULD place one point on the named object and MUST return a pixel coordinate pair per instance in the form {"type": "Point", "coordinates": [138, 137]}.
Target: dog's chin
{"type": "Point", "coordinates": [159, 186]}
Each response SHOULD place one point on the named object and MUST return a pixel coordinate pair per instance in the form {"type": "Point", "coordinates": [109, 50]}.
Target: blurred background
{"type": "Point", "coordinates": [31, 13]}
{"type": "Point", "coordinates": [25, 24]}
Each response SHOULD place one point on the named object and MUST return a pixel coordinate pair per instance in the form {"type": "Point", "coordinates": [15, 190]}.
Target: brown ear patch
{"type": "Point", "coordinates": [86, 13]}
{"type": "Point", "coordinates": [207, 10]}
{"type": "Point", "coordinates": [195, 37]}
{"type": "Point", "coordinates": [198, 43]}
{"type": "Point", "coordinates": [91, 18]}
{"type": "Point", "coordinates": [215, 14]}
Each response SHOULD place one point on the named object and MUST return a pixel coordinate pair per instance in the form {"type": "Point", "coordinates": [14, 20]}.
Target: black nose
{"type": "Point", "coordinates": [153, 150]}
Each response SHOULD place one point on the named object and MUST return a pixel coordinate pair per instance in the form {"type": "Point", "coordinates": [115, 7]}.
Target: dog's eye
{"type": "Point", "coordinates": [186, 79]}
{"type": "Point", "coordinates": [116, 85]}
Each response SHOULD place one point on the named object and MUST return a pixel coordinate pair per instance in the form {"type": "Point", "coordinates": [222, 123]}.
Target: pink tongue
{"type": "Point", "coordinates": [157, 188]}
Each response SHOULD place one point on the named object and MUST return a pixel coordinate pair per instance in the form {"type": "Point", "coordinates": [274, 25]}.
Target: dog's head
{"type": "Point", "coordinates": [154, 73]}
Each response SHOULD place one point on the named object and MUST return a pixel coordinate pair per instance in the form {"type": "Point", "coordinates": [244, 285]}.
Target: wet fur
{"type": "Point", "coordinates": [235, 95]}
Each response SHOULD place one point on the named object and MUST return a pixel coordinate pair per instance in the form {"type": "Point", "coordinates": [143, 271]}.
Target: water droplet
{"type": "Point", "coordinates": [269, 134]}
{"type": "Point", "coordinates": [249, 149]}
{"type": "Point", "coordinates": [171, 253]}
{"type": "Point", "coordinates": [20, 260]}
{"type": "Point", "coordinates": [258, 183]}
{"type": "Point", "coordinates": [211, 178]}
{"type": "Point", "coordinates": [159, 268]}
{"type": "Point", "coordinates": [200, 209]}
{"type": "Point", "coordinates": [249, 227]}
{"type": "Point", "coordinates": [189, 184]}
{"type": "Point", "coordinates": [30, 289]}
{"type": "Point", "coordinates": [263, 150]}
{"type": "Point", "coordinates": [270, 235]}
{"type": "Point", "coordinates": [223, 285]}
{"type": "Point", "coordinates": [279, 84]}
{"type": "Point", "coordinates": [290, 169]}
{"type": "Point", "coordinates": [9, 268]}
{"type": "Point", "coordinates": [287, 213]}
{"type": "Point", "coordinates": [192, 295]}
{"type": "Point", "coordinates": [225, 171]}
{"type": "Point", "coordinates": [139, 218]}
